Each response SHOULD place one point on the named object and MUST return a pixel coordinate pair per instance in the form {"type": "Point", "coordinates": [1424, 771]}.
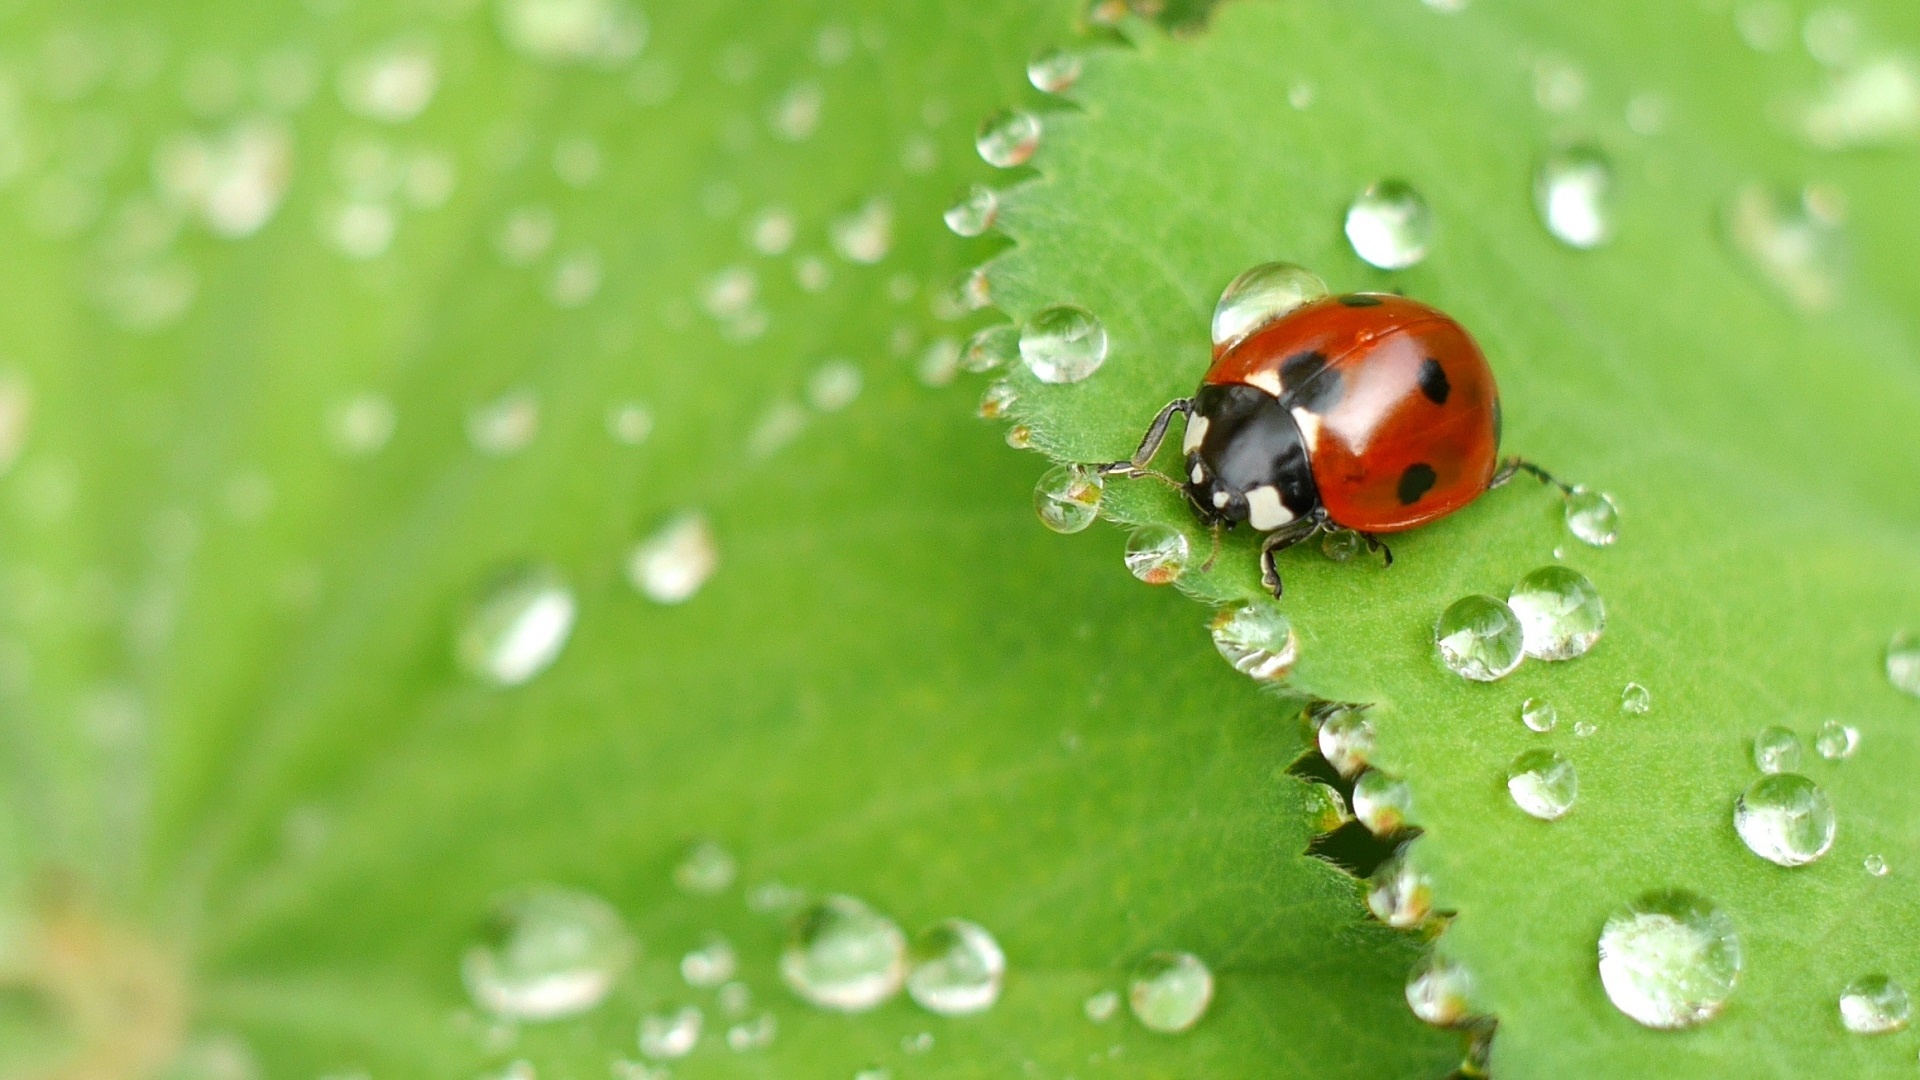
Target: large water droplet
{"type": "Point", "coordinates": [1479, 638]}
{"type": "Point", "coordinates": [1539, 714]}
{"type": "Point", "coordinates": [1169, 991]}
{"type": "Point", "coordinates": [1574, 193]}
{"type": "Point", "coordinates": [1785, 819]}
{"type": "Point", "coordinates": [1257, 640]}
{"type": "Point", "coordinates": [1054, 71]}
{"type": "Point", "coordinates": [1903, 662]}
{"type": "Point", "coordinates": [517, 625]}
{"type": "Point", "coordinates": [845, 956]}
{"type": "Point", "coordinates": [975, 212]}
{"type": "Point", "coordinates": [670, 566]}
{"type": "Point", "coordinates": [1873, 103]}
{"type": "Point", "coordinates": [1390, 225]}
{"type": "Point", "coordinates": [1794, 241]}
{"type": "Point", "coordinates": [1399, 895]}
{"type": "Point", "coordinates": [1543, 784]}
{"type": "Point", "coordinates": [546, 953]}
{"type": "Point", "coordinates": [1636, 700]}
{"type": "Point", "coordinates": [1670, 960]}
{"type": "Point", "coordinates": [1560, 612]}
{"type": "Point", "coordinates": [1067, 498]}
{"type": "Point", "coordinates": [672, 1034]}
{"type": "Point", "coordinates": [1592, 517]}
{"type": "Point", "coordinates": [1258, 297]}
{"type": "Point", "coordinates": [1063, 344]}
{"type": "Point", "coordinates": [1874, 1005]}
{"type": "Point", "coordinates": [991, 348]}
{"type": "Point", "coordinates": [1776, 750]}
{"type": "Point", "coordinates": [1381, 802]}
{"type": "Point", "coordinates": [1438, 989]}
{"type": "Point", "coordinates": [1836, 741]}
{"type": "Point", "coordinates": [957, 969]}
{"type": "Point", "coordinates": [1345, 739]}
{"type": "Point", "coordinates": [1008, 139]}
{"type": "Point", "coordinates": [1158, 554]}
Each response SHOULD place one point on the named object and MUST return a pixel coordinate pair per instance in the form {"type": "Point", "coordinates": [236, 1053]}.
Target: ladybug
{"type": "Point", "coordinates": [1366, 412]}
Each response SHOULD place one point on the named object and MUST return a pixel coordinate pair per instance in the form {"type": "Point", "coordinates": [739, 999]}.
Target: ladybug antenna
{"type": "Point", "coordinates": [1213, 554]}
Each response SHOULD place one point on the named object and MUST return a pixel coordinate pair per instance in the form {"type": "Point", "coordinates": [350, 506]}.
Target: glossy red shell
{"type": "Point", "coordinates": [1371, 409]}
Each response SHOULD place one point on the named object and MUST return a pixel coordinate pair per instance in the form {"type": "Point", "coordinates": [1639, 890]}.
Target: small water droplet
{"type": "Point", "coordinates": [1670, 960]}
{"type": "Point", "coordinates": [1381, 802]}
{"type": "Point", "coordinates": [845, 956]}
{"type": "Point", "coordinates": [525, 235]}
{"type": "Point", "coordinates": [1836, 741]}
{"type": "Point", "coordinates": [1169, 991]}
{"type": "Point", "coordinates": [1102, 1006]}
{"type": "Point", "coordinates": [1008, 139]}
{"type": "Point", "coordinates": [1539, 714]}
{"type": "Point", "coordinates": [505, 425]}
{"type": "Point", "coordinates": [1345, 739]}
{"type": "Point", "coordinates": [1874, 1005]}
{"type": "Point", "coordinates": [939, 362]}
{"type": "Point", "coordinates": [1592, 517]}
{"type": "Point", "coordinates": [991, 348]}
{"type": "Point", "coordinates": [1876, 865]}
{"type": "Point", "coordinates": [998, 398]}
{"type": "Point", "coordinates": [1390, 225]}
{"type": "Point", "coordinates": [1479, 638]}
{"type": "Point", "coordinates": [672, 1034]}
{"type": "Point", "coordinates": [1158, 554]}
{"type": "Point", "coordinates": [392, 84]}
{"type": "Point", "coordinates": [1342, 545]}
{"type": "Point", "coordinates": [1063, 344]}
{"type": "Point", "coordinates": [755, 1034]}
{"type": "Point", "coordinates": [576, 278]}
{"type": "Point", "coordinates": [975, 213]}
{"type": "Point", "coordinates": [1399, 895]}
{"type": "Point", "coordinates": [1257, 640]}
{"type": "Point", "coordinates": [1543, 784]}
{"type": "Point", "coordinates": [1437, 990]}
{"type": "Point", "coordinates": [1300, 95]}
{"type": "Point", "coordinates": [1258, 297]}
{"type": "Point", "coordinates": [834, 386]}
{"type": "Point", "coordinates": [1558, 86]}
{"type": "Point", "coordinates": [1326, 809]}
{"type": "Point", "coordinates": [546, 953]}
{"type": "Point", "coordinates": [629, 422]}
{"type": "Point", "coordinates": [1903, 662]}
{"type": "Point", "coordinates": [1765, 25]}
{"type": "Point", "coordinates": [1020, 436]}
{"type": "Point", "coordinates": [918, 1043]}
{"type": "Point", "coordinates": [1794, 241]}
{"type": "Point", "coordinates": [358, 427]}
{"type": "Point", "coordinates": [1785, 819]}
{"type": "Point", "coordinates": [1055, 71]}
{"type": "Point", "coordinates": [1574, 192]}
{"type": "Point", "coordinates": [1583, 729]}
{"type": "Point", "coordinates": [957, 969]}
{"type": "Point", "coordinates": [1067, 498]}
{"type": "Point", "coordinates": [796, 115]}
{"type": "Point", "coordinates": [1635, 700]}
{"type": "Point", "coordinates": [710, 965]}
{"type": "Point", "coordinates": [517, 625]}
{"type": "Point", "coordinates": [670, 566]}
{"type": "Point", "coordinates": [572, 31]}
{"type": "Point", "coordinates": [734, 998]}
{"type": "Point", "coordinates": [1776, 750]}
{"type": "Point", "coordinates": [1869, 104]}
{"type": "Point", "coordinates": [1560, 612]}
{"type": "Point", "coordinates": [866, 235]}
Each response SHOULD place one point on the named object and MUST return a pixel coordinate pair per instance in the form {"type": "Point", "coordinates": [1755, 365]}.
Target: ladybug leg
{"type": "Point", "coordinates": [1278, 541]}
{"type": "Point", "coordinates": [1374, 543]}
{"type": "Point", "coordinates": [1136, 466]}
{"type": "Point", "coordinates": [1514, 466]}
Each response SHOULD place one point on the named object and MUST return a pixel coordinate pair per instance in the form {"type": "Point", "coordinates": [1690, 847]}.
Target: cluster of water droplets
{"type": "Point", "coordinates": [1553, 613]}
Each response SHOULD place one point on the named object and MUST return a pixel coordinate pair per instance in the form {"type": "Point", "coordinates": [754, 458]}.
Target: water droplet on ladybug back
{"type": "Point", "coordinates": [1258, 297]}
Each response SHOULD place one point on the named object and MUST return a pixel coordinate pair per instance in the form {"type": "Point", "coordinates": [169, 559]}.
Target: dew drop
{"type": "Point", "coordinates": [866, 235]}
{"type": "Point", "coordinates": [1785, 819]}
{"type": "Point", "coordinates": [525, 235]}
{"type": "Point", "coordinates": [1063, 344]}
{"type": "Point", "coordinates": [1342, 545]}
{"type": "Point", "coordinates": [1438, 989]}
{"type": "Point", "coordinates": [957, 969]}
{"type": "Point", "coordinates": [1390, 225]}
{"type": "Point", "coordinates": [517, 625]}
{"type": "Point", "coordinates": [670, 566]}
{"type": "Point", "coordinates": [998, 398]}
{"type": "Point", "coordinates": [576, 279]}
{"type": "Point", "coordinates": [1479, 638]}
{"type": "Point", "coordinates": [1582, 729]}
{"type": "Point", "coordinates": [1776, 750]}
{"type": "Point", "coordinates": [974, 214]}
{"type": "Point", "coordinates": [1345, 739]}
{"type": "Point", "coordinates": [392, 84]}
{"type": "Point", "coordinates": [845, 956]}
{"type": "Point", "coordinates": [1573, 192]}
{"type": "Point", "coordinates": [1635, 700]}
{"type": "Point", "coordinates": [1876, 865]}
{"type": "Point", "coordinates": [505, 425]}
{"type": "Point", "coordinates": [361, 425]}
{"type": "Point", "coordinates": [1592, 517]}
{"type": "Point", "coordinates": [710, 965]}
{"type": "Point", "coordinates": [797, 114]}
{"type": "Point", "coordinates": [1381, 802]}
{"type": "Point", "coordinates": [1539, 714]}
{"type": "Point", "coordinates": [939, 362]}
{"type": "Point", "coordinates": [1903, 662]}
{"type": "Point", "coordinates": [1560, 612]}
{"type": "Point", "coordinates": [572, 31]}
{"type": "Point", "coordinates": [1300, 95]}
{"type": "Point", "coordinates": [1101, 1007]}
{"type": "Point", "coordinates": [1008, 138]}
{"type": "Point", "coordinates": [771, 231]}
{"type": "Point", "coordinates": [1870, 104]}
{"type": "Point", "coordinates": [546, 953]}
{"type": "Point", "coordinates": [1794, 242]}
{"type": "Point", "coordinates": [1326, 809]}
{"type": "Point", "coordinates": [1067, 498]}
{"type": "Point", "coordinates": [1055, 71]}
{"type": "Point", "coordinates": [1257, 640]}
{"type": "Point", "coordinates": [668, 1035]}
{"type": "Point", "coordinates": [755, 1034]}
{"type": "Point", "coordinates": [1836, 741]}
{"type": "Point", "coordinates": [1399, 895]}
{"type": "Point", "coordinates": [1669, 960]}
{"type": "Point", "coordinates": [1158, 554]}
{"type": "Point", "coordinates": [629, 422]}
{"type": "Point", "coordinates": [1258, 297]}
{"type": "Point", "coordinates": [991, 348]}
{"type": "Point", "coordinates": [834, 386]}
{"type": "Point", "coordinates": [1874, 1005]}
{"type": "Point", "coordinates": [1169, 991]}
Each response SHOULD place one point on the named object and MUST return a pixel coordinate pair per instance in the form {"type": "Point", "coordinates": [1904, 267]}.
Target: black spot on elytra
{"type": "Point", "coordinates": [1307, 382]}
{"type": "Point", "coordinates": [1415, 482]}
{"type": "Point", "coordinates": [1359, 300]}
{"type": "Point", "coordinates": [1433, 381]}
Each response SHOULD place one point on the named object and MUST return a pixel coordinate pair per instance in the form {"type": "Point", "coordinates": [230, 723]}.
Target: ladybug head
{"type": "Point", "coordinates": [1245, 460]}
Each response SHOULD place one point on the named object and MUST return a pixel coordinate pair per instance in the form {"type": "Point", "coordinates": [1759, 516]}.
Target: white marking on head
{"type": "Point", "coordinates": [1310, 424]}
{"type": "Point", "coordinates": [1196, 431]}
{"type": "Point", "coordinates": [1221, 499]}
{"type": "Point", "coordinates": [1199, 473]}
{"type": "Point", "coordinates": [1266, 380]}
{"type": "Point", "coordinates": [1265, 511]}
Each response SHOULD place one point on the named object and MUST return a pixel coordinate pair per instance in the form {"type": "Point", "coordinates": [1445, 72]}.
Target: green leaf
{"type": "Point", "coordinates": [1756, 432]}
{"type": "Point", "coordinates": [253, 804]}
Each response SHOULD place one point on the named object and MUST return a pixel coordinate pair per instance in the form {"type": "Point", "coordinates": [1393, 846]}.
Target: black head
{"type": "Point", "coordinates": [1246, 460]}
